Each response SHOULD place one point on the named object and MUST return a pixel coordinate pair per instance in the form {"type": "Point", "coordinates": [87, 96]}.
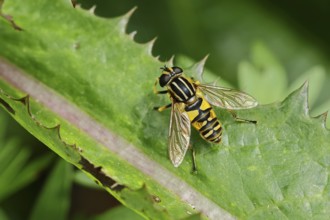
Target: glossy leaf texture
{"type": "Point", "coordinates": [83, 87]}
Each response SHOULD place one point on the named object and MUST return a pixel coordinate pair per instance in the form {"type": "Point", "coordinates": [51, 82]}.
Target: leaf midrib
{"type": "Point", "coordinates": [76, 117]}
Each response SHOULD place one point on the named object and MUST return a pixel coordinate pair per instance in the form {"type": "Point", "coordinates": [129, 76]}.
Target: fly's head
{"type": "Point", "coordinates": [168, 74]}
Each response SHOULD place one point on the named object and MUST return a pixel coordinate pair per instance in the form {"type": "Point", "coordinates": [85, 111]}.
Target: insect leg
{"type": "Point", "coordinates": [240, 119]}
{"type": "Point", "coordinates": [155, 89]}
{"type": "Point", "coordinates": [194, 168]}
{"type": "Point", "coordinates": [162, 108]}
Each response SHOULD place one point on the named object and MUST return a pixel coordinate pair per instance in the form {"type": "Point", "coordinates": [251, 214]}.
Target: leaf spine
{"type": "Point", "coordinates": [125, 19]}
{"type": "Point", "coordinates": [199, 68]}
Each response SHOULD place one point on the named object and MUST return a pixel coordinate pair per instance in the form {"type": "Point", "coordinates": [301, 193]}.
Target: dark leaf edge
{"type": "Point", "coordinates": [100, 177]}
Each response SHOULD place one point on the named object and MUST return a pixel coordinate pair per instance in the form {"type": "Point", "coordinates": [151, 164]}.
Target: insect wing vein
{"type": "Point", "coordinates": [179, 134]}
{"type": "Point", "coordinates": [227, 98]}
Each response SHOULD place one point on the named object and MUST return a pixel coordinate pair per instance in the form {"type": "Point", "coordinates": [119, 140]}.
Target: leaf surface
{"type": "Point", "coordinates": [90, 100]}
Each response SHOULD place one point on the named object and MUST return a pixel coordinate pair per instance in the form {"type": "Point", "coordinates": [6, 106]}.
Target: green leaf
{"type": "Point", "coordinates": [119, 213]}
{"type": "Point", "coordinates": [323, 110]}
{"type": "Point", "coordinates": [203, 75]}
{"type": "Point", "coordinates": [16, 168]}
{"type": "Point", "coordinates": [54, 200]}
{"type": "Point", "coordinates": [227, 29]}
{"type": "Point", "coordinates": [264, 77]}
{"type": "Point", "coordinates": [272, 86]}
{"type": "Point", "coordinates": [316, 77]}
{"type": "Point", "coordinates": [82, 179]}
{"type": "Point", "coordinates": [90, 101]}
{"type": "Point", "coordinates": [123, 213]}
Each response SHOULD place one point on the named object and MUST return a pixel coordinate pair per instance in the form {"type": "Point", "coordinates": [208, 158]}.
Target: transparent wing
{"type": "Point", "coordinates": [179, 134]}
{"type": "Point", "coordinates": [227, 98]}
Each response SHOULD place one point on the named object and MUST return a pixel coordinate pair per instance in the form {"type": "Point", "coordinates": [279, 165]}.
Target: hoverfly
{"type": "Point", "coordinates": [191, 105]}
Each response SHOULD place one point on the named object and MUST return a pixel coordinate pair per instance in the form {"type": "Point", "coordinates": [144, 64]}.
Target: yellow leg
{"type": "Point", "coordinates": [241, 119]}
{"type": "Point", "coordinates": [162, 108]}
{"type": "Point", "coordinates": [194, 168]}
{"type": "Point", "coordinates": [155, 89]}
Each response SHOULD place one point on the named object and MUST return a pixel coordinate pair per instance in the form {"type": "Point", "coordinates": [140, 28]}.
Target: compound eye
{"type": "Point", "coordinates": [164, 79]}
{"type": "Point", "coordinates": [177, 70]}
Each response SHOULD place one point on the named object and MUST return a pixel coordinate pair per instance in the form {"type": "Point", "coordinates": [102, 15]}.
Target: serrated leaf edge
{"type": "Point", "coordinates": [299, 97]}
{"type": "Point", "coordinates": [123, 22]}
{"type": "Point", "coordinates": [322, 118]}
{"type": "Point", "coordinates": [198, 68]}
{"type": "Point", "coordinates": [9, 18]}
{"type": "Point", "coordinates": [25, 100]}
{"type": "Point", "coordinates": [115, 144]}
{"type": "Point", "coordinates": [97, 172]}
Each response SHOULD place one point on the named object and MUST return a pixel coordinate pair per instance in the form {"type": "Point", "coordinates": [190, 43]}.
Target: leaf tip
{"type": "Point", "coordinates": [132, 35]}
{"type": "Point", "coordinates": [299, 99]}
{"type": "Point", "coordinates": [125, 19]}
{"type": "Point", "coordinates": [322, 118]}
{"type": "Point", "coordinates": [150, 45]}
{"type": "Point", "coordinates": [199, 68]}
{"type": "Point", "coordinates": [25, 100]}
{"type": "Point", "coordinates": [304, 87]}
{"type": "Point", "coordinates": [92, 10]}
{"type": "Point", "coordinates": [74, 3]}
{"type": "Point", "coordinates": [170, 62]}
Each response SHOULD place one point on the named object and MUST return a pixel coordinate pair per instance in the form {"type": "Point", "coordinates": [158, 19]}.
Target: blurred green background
{"type": "Point", "coordinates": [296, 33]}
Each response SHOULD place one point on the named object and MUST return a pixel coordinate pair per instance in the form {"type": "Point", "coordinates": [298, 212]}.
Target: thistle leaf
{"type": "Point", "coordinates": [83, 87]}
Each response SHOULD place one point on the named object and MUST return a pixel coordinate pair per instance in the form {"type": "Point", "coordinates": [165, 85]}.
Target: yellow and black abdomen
{"type": "Point", "coordinates": [203, 118]}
